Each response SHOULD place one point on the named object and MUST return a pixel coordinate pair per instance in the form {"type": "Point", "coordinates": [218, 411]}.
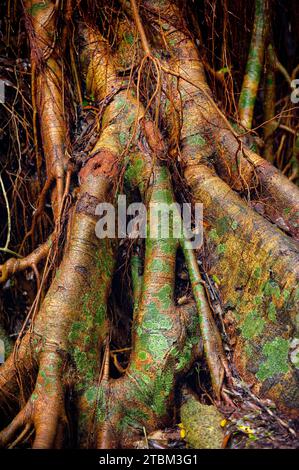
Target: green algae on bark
{"type": "Point", "coordinates": [254, 64]}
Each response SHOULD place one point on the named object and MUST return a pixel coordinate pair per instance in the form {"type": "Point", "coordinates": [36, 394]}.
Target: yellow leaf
{"type": "Point", "coordinates": [246, 429]}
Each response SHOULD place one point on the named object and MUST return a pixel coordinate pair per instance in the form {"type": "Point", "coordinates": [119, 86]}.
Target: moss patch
{"type": "Point", "coordinates": [253, 325]}
{"type": "Point", "coordinates": [277, 359]}
{"type": "Point", "coordinates": [202, 425]}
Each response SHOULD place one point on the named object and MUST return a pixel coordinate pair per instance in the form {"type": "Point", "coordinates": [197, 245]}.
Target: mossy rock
{"type": "Point", "coordinates": [202, 425]}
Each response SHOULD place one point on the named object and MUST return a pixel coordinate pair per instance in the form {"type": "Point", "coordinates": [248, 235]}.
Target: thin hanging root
{"type": "Point", "coordinates": [254, 64]}
{"type": "Point", "coordinates": [39, 210]}
{"type": "Point", "coordinates": [148, 56]}
{"type": "Point", "coordinates": [13, 265]}
{"type": "Point", "coordinates": [212, 342]}
{"type": "Point", "coordinates": [25, 434]}
{"type": "Point", "coordinates": [46, 400]}
{"type": "Point", "coordinates": [270, 126]}
{"type": "Point", "coordinates": [278, 67]}
{"type": "Point", "coordinates": [41, 252]}
{"type": "Point", "coordinates": [48, 92]}
{"type": "Point", "coordinates": [140, 28]}
{"type": "Point", "coordinates": [116, 363]}
{"type": "Point", "coordinates": [8, 435]}
{"type": "Point", "coordinates": [10, 372]}
{"type": "Point", "coordinates": [34, 123]}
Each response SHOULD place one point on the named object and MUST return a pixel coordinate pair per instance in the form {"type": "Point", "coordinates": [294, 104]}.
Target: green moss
{"type": "Point", "coordinates": [168, 246]}
{"type": "Point", "coordinates": [202, 425]}
{"type": "Point", "coordinates": [294, 356]}
{"type": "Point", "coordinates": [258, 300]}
{"type": "Point", "coordinates": [101, 405]}
{"type": "Point", "coordinates": [86, 364]}
{"type": "Point", "coordinates": [100, 314]}
{"type": "Point", "coordinates": [185, 357]}
{"type": "Point", "coordinates": [142, 355]}
{"type": "Point", "coordinates": [257, 272]}
{"type": "Point", "coordinates": [158, 265]}
{"type": "Point", "coordinates": [286, 294]}
{"type": "Point", "coordinates": [223, 225]}
{"type": "Point", "coordinates": [80, 359]}
{"type": "Point", "coordinates": [214, 235]}
{"type": "Point", "coordinates": [221, 248]}
{"type": "Point", "coordinates": [91, 395]}
{"type": "Point", "coordinates": [253, 325]}
{"type": "Point", "coordinates": [76, 328]}
{"type": "Point", "coordinates": [271, 288]}
{"type": "Point", "coordinates": [196, 139]}
{"type": "Point", "coordinates": [155, 344]}
{"type": "Point", "coordinates": [132, 418]}
{"type": "Point", "coordinates": [120, 102]}
{"type": "Point", "coordinates": [154, 320]}
{"type": "Point", "coordinates": [216, 279]}
{"type": "Point", "coordinates": [161, 390]}
{"type": "Point", "coordinates": [163, 196]}
{"type": "Point", "coordinates": [246, 99]}
{"type": "Point", "coordinates": [48, 379]}
{"type": "Point", "coordinates": [134, 170]}
{"type": "Point", "coordinates": [33, 10]}
{"type": "Point", "coordinates": [272, 312]}
{"type": "Point", "coordinates": [123, 138]}
{"type": "Point", "coordinates": [276, 352]}
{"type": "Point", "coordinates": [129, 38]}
{"type": "Point", "coordinates": [165, 296]}
{"type": "Point", "coordinates": [57, 274]}
{"type": "Point", "coordinates": [248, 350]}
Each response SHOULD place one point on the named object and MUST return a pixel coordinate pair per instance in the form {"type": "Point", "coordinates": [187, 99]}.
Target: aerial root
{"type": "Point", "coordinates": [44, 412]}
{"type": "Point", "coordinates": [14, 265]}
{"type": "Point", "coordinates": [7, 435]}
{"type": "Point", "coordinates": [44, 418]}
{"type": "Point", "coordinates": [23, 437]}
